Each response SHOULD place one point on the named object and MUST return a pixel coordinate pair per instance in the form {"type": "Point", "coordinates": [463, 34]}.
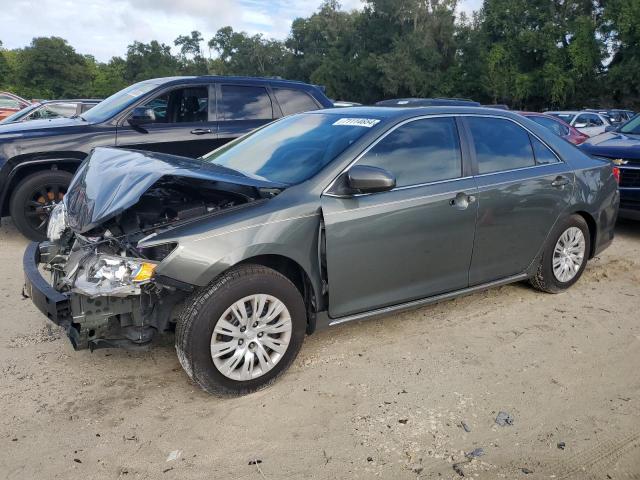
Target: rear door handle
{"type": "Point", "coordinates": [560, 181]}
{"type": "Point", "coordinates": [201, 131]}
{"type": "Point", "coordinates": [462, 201]}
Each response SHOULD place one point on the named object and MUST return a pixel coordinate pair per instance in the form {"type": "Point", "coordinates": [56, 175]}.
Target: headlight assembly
{"type": "Point", "coordinates": [111, 275]}
{"type": "Point", "coordinates": [57, 222]}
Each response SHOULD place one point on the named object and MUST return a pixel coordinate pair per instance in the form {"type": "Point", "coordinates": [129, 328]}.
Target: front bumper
{"type": "Point", "coordinates": [104, 321]}
{"type": "Point", "coordinates": [54, 305]}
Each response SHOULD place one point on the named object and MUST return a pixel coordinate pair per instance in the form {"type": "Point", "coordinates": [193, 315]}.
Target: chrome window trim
{"type": "Point", "coordinates": [513, 170]}
{"type": "Point", "coordinates": [392, 202]}
{"type": "Point", "coordinates": [441, 115]}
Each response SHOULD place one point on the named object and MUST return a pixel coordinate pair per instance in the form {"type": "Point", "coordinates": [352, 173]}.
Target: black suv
{"type": "Point", "coordinates": [188, 116]}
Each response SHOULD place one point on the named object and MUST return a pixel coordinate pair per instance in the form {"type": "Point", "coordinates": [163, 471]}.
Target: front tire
{"type": "Point", "coordinates": [243, 331]}
{"type": "Point", "coordinates": [33, 199]}
{"type": "Point", "coordinates": [564, 257]}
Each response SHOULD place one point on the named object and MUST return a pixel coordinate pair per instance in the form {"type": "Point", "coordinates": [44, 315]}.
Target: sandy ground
{"type": "Point", "coordinates": [380, 399]}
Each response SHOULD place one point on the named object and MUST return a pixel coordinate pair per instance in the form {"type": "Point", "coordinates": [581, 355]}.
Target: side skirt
{"type": "Point", "coordinates": [324, 320]}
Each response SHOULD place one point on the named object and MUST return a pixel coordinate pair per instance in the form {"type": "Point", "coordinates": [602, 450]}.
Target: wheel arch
{"type": "Point", "coordinates": [296, 274]}
{"type": "Point", "coordinates": [593, 230]}
{"type": "Point", "coordinates": [24, 167]}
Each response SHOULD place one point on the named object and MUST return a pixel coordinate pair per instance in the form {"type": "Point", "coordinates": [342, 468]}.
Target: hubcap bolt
{"type": "Point", "coordinates": [252, 345]}
{"type": "Point", "coordinates": [243, 329]}
{"type": "Point", "coordinates": [260, 334]}
{"type": "Point", "coordinates": [240, 342]}
{"type": "Point", "coordinates": [255, 324]}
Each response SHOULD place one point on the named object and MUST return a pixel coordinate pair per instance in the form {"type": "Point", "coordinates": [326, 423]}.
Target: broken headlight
{"type": "Point", "coordinates": [57, 222]}
{"type": "Point", "coordinates": [111, 275]}
{"type": "Point", "coordinates": [112, 268]}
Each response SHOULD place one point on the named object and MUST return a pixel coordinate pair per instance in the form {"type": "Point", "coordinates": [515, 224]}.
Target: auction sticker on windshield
{"type": "Point", "coordinates": [357, 122]}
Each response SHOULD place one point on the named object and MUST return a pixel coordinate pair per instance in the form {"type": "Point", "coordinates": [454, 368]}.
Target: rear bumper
{"type": "Point", "coordinates": [54, 305]}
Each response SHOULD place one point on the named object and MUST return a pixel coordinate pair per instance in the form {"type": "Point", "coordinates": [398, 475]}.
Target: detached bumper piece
{"type": "Point", "coordinates": [55, 305]}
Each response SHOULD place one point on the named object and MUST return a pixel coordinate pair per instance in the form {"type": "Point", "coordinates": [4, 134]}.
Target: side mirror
{"type": "Point", "coordinates": [580, 125]}
{"type": "Point", "coordinates": [141, 115]}
{"type": "Point", "coordinates": [366, 179]}
{"type": "Point", "coordinates": [610, 128]}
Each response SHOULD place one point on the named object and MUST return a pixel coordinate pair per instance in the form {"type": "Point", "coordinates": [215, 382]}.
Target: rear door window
{"type": "Point", "coordinates": [244, 102]}
{"type": "Point", "coordinates": [421, 151]}
{"type": "Point", "coordinates": [500, 144]}
{"type": "Point", "coordinates": [294, 101]}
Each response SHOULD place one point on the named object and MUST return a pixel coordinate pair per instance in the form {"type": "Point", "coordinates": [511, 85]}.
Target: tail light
{"type": "Point", "coordinates": [616, 174]}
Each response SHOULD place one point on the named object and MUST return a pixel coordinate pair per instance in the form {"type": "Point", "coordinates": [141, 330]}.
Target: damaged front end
{"type": "Point", "coordinates": [103, 288]}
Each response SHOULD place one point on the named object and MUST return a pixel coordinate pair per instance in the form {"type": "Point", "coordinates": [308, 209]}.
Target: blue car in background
{"type": "Point", "coordinates": [622, 146]}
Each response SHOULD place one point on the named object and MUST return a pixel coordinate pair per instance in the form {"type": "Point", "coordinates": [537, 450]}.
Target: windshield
{"type": "Point", "coordinates": [117, 102]}
{"type": "Point", "coordinates": [293, 149]}
{"type": "Point", "coordinates": [632, 126]}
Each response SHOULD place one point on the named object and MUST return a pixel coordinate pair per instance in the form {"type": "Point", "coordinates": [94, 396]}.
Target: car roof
{"type": "Point", "coordinates": [223, 78]}
{"type": "Point", "coordinates": [72, 100]}
{"type": "Point", "coordinates": [409, 112]}
{"type": "Point", "coordinates": [426, 102]}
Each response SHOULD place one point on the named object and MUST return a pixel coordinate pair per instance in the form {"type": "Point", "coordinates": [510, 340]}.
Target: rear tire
{"type": "Point", "coordinates": [34, 197]}
{"type": "Point", "coordinates": [564, 257]}
{"type": "Point", "coordinates": [207, 356]}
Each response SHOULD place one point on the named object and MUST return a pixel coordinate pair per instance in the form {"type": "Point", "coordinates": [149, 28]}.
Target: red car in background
{"type": "Point", "coordinates": [557, 126]}
{"type": "Point", "coordinates": [10, 104]}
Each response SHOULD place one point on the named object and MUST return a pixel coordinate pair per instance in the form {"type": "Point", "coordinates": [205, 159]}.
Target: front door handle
{"type": "Point", "coordinates": [201, 131]}
{"type": "Point", "coordinates": [560, 182]}
{"type": "Point", "coordinates": [462, 201]}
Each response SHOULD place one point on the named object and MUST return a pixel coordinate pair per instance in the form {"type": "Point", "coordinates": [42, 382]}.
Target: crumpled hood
{"type": "Point", "coordinates": [111, 180]}
{"type": "Point", "coordinates": [614, 145]}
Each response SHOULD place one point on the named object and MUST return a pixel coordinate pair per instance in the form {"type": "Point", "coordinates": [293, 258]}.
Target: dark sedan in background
{"type": "Point", "coordinates": [621, 146]}
{"type": "Point", "coordinates": [315, 220]}
{"type": "Point", "coordinates": [187, 116]}
{"type": "Point", "coordinates": [49, 109]}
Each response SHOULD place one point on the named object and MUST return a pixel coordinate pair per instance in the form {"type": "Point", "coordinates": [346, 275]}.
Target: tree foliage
{"type": "Point", "coordinates": [527, 53]}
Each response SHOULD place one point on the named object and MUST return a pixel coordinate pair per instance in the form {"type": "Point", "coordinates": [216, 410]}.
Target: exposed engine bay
{"type": "Point", "coordinates": [116, 299]}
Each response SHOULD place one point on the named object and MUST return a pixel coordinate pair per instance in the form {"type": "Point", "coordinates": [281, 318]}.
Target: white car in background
{"type": "Point", "coordinates": [589, 123]}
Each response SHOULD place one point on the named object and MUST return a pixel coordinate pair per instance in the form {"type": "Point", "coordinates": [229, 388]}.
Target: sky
{"type": "Point", "coordinates": [104, 28]}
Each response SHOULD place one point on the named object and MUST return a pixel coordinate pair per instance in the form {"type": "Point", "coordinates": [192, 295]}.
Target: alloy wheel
{"type": "Point", "coordinates": [37, 209]}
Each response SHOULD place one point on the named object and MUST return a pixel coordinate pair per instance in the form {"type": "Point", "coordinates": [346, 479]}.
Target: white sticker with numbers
{"type": "Point", "coordinates": [357, 122]}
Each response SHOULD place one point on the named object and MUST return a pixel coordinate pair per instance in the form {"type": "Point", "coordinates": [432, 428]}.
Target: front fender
{"type": "Point", "coordinates": [199, 260]}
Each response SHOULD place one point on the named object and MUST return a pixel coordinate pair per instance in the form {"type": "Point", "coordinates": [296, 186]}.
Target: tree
{"type": "Point", "coordinates": [621, 27]}
{"type": "Point", "coordinates": [193, 63]}
{"type": "Point", "coordinates": [51, 68]}
{"type": "Point", "coordinates": [241, 54]}
{"type": "Point", "coordinates": [109, 77]}
{"type": "Point", "coordinates": [5, 72]}
{"type": "Point", "coordinates": [149, 60]}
